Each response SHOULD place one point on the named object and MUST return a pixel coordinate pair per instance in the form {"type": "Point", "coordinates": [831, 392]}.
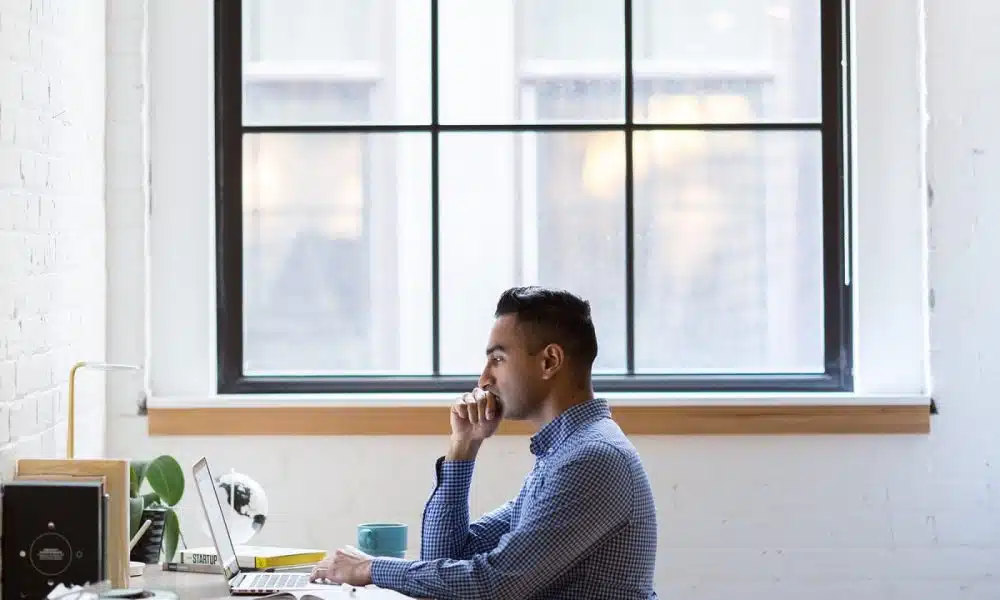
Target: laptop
{"type": "Point", "coordinates": [241, 583]}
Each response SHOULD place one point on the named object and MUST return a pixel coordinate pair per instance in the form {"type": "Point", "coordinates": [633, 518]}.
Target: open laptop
{"type": "Point", "coordinates": [241, 583]}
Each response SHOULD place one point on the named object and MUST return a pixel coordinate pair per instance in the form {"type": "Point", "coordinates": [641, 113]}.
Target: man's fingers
{"type": "Point", "coordinates": [477, 406]}
{"type": "Point", "coordinates": [491, 406]}
{"type": "Point", "coordinates": [486, 404]}
{"type": "Point", "coordinates": [472, 406]}
{"type": "Point", "coordinates": [460, 408]}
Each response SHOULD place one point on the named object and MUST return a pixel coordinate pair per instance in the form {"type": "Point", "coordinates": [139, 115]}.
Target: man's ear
{"type": "Point", "coordinates": [553, 359]}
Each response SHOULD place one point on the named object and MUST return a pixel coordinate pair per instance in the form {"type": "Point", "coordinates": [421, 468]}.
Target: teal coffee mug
{"type": "Point", "coordinates": [382, 539]}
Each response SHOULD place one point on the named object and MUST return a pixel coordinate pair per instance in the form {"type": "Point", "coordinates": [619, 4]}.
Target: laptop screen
{"type": "Point", "coordinates": [216, 520]}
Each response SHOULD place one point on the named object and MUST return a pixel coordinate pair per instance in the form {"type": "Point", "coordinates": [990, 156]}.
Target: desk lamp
{"type": "Point", "coordinates": [70, 426]}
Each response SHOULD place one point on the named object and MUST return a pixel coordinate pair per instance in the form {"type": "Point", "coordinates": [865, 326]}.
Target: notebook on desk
{"type": "Point", "coordinates": [339, 592]}
{"type": "Point", "coordinates": [240, 582]}
{"type": "Point", "coordinates": [333, 593]}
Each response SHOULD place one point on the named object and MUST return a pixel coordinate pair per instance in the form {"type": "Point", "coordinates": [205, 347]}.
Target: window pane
{"type": "Point", "coordinates": [305, 103]}
{"type": "Point", "coordinates": [560, 222]}
{"type": "Point", "coordinates": [579, 221]}
{"type": "Point", "coordinates": [774, 44]}
{"type": "Point", "coordinates": [310, 30]}
{"type": "Point", "coordinates": [300, 56]}
{"type": "Point", "coordinates": [729, 240]}
{"type": "Point", "coordinates": [578, 30]}
{"type": "Point", "coordinates": [479, 57]}
{"type": "Point", "coordinates": [330, 224]}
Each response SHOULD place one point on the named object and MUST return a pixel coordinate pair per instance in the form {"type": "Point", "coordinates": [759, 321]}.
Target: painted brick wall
{"type": "Point", "coordinates": [52, 223]}
{"type": "Point", "coordinates": [865, 518]}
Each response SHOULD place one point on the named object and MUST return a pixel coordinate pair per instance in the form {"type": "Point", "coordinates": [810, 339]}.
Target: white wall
{"type": "Point", "coordinates": [52, 234]}
{"type": "Point", "coordinates": [127, 196]}
{"type": "Point", "coordinates": [863, 517]}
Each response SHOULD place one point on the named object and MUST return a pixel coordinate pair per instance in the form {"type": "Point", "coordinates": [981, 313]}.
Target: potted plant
{"type": "Point", "coordinates": [164, 481]}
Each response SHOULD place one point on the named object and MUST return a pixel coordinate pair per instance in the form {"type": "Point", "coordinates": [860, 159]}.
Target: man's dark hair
{"type": "Point", "coordinates": [553, 316]}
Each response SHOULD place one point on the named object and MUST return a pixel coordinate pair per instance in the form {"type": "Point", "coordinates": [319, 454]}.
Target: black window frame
{"type": "Point", "coordinates": [837, 292]}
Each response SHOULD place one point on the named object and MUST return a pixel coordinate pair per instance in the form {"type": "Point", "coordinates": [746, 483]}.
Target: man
{"type": "Point", "coordinates": [584, 524]}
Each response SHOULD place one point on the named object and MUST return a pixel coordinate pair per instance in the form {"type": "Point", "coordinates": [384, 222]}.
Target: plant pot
{"type": "Point", "coordinates": [149, 547]}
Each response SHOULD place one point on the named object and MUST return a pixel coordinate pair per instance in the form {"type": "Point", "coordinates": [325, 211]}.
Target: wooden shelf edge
{"type": "Point", "coordinates": [634, 420]}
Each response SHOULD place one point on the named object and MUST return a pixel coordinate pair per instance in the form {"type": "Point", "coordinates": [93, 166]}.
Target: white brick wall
{"type": "Point", "coordinates": [52, 267]}
{"type": "Point", "coordinates": [822, 518]}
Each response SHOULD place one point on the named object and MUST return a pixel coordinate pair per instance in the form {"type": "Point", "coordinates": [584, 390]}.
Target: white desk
{"type": "Point", "coordinates": [209, 586]}
{"type": "Point", "coordinates": [196, 586]}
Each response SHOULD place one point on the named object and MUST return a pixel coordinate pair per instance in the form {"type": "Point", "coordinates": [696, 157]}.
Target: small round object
{"type": "Point", "coordinates": [244, 506]}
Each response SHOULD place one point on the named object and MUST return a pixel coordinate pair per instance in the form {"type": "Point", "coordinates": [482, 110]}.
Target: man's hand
{"type": "Point", "coordinates": [474, 417]}
{"type": "Point", "coordinates": [348, 565]}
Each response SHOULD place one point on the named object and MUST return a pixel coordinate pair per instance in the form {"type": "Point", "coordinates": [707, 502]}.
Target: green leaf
{"type": "Point", "coordinates": [137, 474]}
{"type": "Point", "coordinates": [171, 532]}
{"type": "Point", "coordinates": [135, 506]}
{"type": "Point", "coordinates": [150, 499]}
{"type": "Point", "coordinates": [166, 478]}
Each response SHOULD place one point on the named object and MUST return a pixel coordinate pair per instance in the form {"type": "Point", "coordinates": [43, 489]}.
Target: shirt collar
{"type": "Point", "coordinates": [557, 430]}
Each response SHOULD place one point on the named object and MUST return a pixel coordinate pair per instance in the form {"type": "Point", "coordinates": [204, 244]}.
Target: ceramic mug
{"type": "Point", "coordinates": [382, 539]}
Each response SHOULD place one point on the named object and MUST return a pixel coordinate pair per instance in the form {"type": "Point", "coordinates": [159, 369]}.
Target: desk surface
{"type": "Point", "coordinates": [196, 586]}
{"type": "Point", "coordinates": [209, 586]}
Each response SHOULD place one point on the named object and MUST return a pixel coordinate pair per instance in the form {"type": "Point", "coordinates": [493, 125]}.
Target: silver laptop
{"type": "Point", "coordinates": [241, 583]}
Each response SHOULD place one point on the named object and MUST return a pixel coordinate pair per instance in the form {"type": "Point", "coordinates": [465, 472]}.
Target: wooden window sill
{"type": "Point", "coordinates": [634, 420]}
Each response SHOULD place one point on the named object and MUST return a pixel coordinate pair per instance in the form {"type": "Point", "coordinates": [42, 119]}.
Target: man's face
{"type": "Point", "coordinates": [512, 373]}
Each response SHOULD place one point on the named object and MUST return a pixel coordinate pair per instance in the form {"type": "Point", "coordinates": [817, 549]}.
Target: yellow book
{"type": "Point", "coordinates": [254, 557]}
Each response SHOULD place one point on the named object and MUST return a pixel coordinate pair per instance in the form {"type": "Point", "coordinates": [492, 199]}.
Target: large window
{"type": "Point", "coordinates": [385, 168]}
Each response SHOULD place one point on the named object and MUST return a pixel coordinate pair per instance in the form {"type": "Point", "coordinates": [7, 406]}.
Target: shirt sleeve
{"type": "Point", "coordinates": [581, 503]}
{"type": "Point", "coordinates": [446, 532]}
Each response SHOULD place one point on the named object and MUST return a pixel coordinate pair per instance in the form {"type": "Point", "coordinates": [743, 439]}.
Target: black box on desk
{"type": "Point", "coordinates": [53, 532]}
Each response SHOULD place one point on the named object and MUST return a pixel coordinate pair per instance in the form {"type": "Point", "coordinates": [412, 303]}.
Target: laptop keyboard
{"type": "Point", "coordinates": [273, 581]}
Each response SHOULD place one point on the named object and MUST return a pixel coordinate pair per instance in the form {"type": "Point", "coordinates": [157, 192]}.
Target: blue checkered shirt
{"type": "Point", "coordinates": [583, 526]}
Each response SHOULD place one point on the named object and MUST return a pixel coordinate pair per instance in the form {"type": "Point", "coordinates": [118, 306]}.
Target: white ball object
{"type": "Point", "coordinates": [244, 505]}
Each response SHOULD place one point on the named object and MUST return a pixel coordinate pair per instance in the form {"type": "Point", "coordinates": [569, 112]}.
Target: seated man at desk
{"type": "Point", "coordinates": [584, 523]}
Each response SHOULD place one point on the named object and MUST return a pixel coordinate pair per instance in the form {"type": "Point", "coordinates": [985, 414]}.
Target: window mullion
{"type": "Point", "coordinates": [629, 197]}
{"type": "Point", "coordinates": [435, 195]}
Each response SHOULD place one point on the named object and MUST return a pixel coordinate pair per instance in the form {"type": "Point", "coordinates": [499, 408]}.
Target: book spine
{"type": "Point", "coordinates": [212, 560]}
{"type": "Point", "coordinates": [198, 558]}
{"type": "Point", "coordinates": [291, 560]}
{"type": "Point", "coordinates": [252, 562]}
{"type": "Point", "coordinates": [191, 568]}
